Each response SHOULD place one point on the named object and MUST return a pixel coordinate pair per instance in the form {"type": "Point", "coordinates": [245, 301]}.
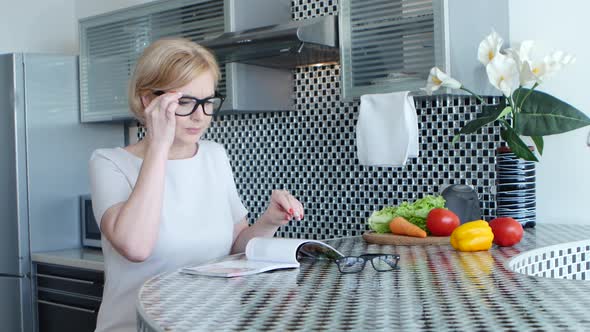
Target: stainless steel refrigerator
{"type": "Point", "coordinates": [44, 152]}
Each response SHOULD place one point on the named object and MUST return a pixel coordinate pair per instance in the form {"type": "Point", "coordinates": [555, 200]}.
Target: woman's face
{"type": "Point", "coordinates": [189, 129]}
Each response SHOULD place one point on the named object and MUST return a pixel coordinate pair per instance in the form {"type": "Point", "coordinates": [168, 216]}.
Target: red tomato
{"type": "Point", "coordinates": [507, 231]}
{"type": "Point", "coordinates": [442, 222]}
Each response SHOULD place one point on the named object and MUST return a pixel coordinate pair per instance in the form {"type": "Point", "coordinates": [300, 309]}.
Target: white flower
{"type": "Point", "coordinates": [534, 70]}
{"type": "Point", "coordinates": [438, 78]}
{"type": "Point", "coordinates": [503, 74]}
{"type": "Point", "coordinates": [552, 64]}
{"type": "Point", "coordinates": [540, 70]}
{"type": "Point", "coordinates": [563, 58]}
{"type": "Point", "coordinates": [489, 48]}
{"type": "Point", "coordinates": [522, 57]}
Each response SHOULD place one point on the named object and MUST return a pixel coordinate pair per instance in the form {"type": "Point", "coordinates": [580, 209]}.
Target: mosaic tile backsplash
{"type": "Point", "coordinates": [311, 151]}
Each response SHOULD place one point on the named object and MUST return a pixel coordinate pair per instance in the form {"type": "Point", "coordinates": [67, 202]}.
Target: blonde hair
{"type": "Point", "coordinates": [166, 64]}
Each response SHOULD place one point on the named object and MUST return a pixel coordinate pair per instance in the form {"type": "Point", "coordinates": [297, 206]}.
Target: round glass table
{"type": "Point", "coordinates": [435, 288]}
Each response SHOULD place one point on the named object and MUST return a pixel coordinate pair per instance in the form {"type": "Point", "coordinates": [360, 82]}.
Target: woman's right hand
{"type": "Point", "coordinates": [161, 120]}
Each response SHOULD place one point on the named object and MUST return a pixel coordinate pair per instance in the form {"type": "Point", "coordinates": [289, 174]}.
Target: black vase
{"type": "Point", "coordinates": [515, 188]}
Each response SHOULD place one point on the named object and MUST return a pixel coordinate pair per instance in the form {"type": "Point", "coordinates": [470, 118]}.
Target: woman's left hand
{"type": "Point", "coordinates": [282, 208]}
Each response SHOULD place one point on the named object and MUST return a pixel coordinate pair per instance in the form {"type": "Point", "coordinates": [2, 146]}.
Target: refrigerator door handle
{"type": "Point", "coordinates": [8, 275]}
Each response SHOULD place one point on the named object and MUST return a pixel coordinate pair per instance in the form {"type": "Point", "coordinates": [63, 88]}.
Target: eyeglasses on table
{"type": "Point", "coordinates": [355, 264]}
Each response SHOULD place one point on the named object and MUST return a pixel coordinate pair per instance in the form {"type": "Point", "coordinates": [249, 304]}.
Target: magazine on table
{"type": "Point", "coordinates": [266, 254]}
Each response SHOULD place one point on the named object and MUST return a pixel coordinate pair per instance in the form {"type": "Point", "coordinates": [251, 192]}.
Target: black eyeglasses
{"type": "Point", "coordinates": [187, 105]}
{"type": "Point", "coordinates": [355, 264]}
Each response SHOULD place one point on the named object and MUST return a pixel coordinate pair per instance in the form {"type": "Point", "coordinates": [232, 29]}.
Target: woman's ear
{"type": "Point", "coordinates": [145, 101]}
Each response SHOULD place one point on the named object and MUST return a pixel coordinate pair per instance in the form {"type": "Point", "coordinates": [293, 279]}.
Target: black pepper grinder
{"type": "Point", "coordinates": [463, 201]}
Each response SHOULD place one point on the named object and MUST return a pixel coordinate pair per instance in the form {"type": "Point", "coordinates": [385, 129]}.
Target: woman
{"type": "Point", "coordinates": [170, 200]}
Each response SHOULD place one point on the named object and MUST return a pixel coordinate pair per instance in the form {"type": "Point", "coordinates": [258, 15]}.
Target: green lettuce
{"type": "Point", "coordinates": [415, 213]}
{"type": "Point", "coordinates": [379, 220]}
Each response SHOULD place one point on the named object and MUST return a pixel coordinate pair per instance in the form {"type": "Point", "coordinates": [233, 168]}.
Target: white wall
{"type": "Point", "coordinates": [47, 26]}
{"type": "Point", "coordinates": [563, 174]}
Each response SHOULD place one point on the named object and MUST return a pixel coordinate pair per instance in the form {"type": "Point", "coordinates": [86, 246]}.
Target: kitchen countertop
{"type": "Point", "coordinates": [83, 258]}
{"type": "Point", "coordinates": [435, 289]}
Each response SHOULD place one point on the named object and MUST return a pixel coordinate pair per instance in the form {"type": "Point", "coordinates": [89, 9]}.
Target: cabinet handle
{"type": "Point", "coordinates": [65, 306]}
{"type": "Point", "coordinates": [9, 275]}
{"type": "Point", "coordinates": [121, 117]}
{"type": "Point", "coordinates": [87, 282]}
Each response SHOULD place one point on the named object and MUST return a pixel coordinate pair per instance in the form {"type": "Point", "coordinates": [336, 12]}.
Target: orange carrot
{"type": "Point", "coordinates": [401, 226]}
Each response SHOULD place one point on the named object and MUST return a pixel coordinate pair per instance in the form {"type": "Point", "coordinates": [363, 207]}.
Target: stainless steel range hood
{"type": "Point", "coordinates": [288, 45]}
{"type": "Point", "coordinates": [261, 46]}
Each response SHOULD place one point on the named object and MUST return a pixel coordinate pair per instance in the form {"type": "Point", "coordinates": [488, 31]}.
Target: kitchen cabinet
{"type": "Point", "coordinates": [111, 43]}
{"type": "Point", "coordinates": [389, 46]}
{"type": "Point", "coordinates": [67, 298]}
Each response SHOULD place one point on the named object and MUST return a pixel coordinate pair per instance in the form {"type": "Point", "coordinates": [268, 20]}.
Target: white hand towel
{"type": "Point", "coordinates": [387, 129]}
{"type": "Point", "coordinates": [412, 122]}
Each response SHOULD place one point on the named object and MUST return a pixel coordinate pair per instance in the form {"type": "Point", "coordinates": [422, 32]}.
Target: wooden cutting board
{"type": "Point", "coordinates": [402, 240]}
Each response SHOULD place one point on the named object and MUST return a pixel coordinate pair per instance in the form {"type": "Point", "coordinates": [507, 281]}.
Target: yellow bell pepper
{"type": "Point", "coordinates": [472, 236]}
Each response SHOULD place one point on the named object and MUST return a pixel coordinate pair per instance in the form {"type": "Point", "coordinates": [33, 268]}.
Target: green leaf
{"type": "Point", "coordinates": [516, 144]}
{"type": "Point", "coordinates": [507, 110]}
{"type": "Point", "coordinates": [489, 113]}
{"type": "Point", "coordinates": [538, 143]}
{"type": "Point", "coordinates": [491, 110]}
{"type": "Point", "coordinates": [542, 114]}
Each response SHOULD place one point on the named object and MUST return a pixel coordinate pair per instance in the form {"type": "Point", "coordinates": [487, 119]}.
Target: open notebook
{"type": "Point", "coordinates": [265, 254]}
